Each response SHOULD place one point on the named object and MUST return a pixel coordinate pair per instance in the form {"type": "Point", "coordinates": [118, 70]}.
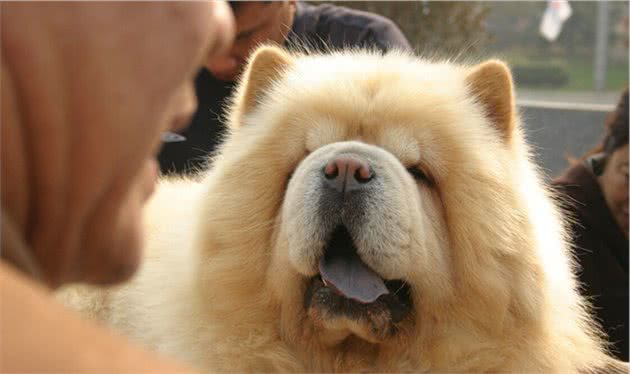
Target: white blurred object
{"type": "Point", "coordinates": [557, 12]}
{"type": "Point", "coordinates": [425, 7]}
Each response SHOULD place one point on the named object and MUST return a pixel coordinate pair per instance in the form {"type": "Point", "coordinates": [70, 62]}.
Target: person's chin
{"type": "Point", "coordinates": [120, 259]}
{"type": "Point", "coordinates": [622, 220]}
{"type": "Point", "coordinates": [117, 248]}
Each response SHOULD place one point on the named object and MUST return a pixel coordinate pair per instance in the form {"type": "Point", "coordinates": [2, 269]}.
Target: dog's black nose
{"type": "Point", "coordinates": [346, 173]}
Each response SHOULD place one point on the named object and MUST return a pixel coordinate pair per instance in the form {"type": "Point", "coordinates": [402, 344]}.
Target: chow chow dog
{"type": "Point", "coordinates": [365, 212]}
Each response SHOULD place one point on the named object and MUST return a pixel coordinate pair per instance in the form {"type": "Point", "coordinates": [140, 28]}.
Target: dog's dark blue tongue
{"type": "Point", "coordinates": [342, 269]}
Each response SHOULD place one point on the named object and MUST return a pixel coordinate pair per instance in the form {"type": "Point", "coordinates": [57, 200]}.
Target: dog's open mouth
{"type": "Point", "coordinates": [346, 287]}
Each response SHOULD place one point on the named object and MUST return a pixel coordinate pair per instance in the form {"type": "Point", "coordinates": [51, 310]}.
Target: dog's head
{"type": "Point", "coordinates": [378, 206]}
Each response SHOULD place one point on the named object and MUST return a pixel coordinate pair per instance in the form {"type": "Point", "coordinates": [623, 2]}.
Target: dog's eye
{"type": "Point", "coordinates": [418, 174]}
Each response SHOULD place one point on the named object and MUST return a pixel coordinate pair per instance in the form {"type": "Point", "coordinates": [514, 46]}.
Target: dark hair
{"type": "Point", "coordinates": [234, 5]}
{"type": "Point", "coordinates": [615, 136]}
{"type": "Point", "coordinates": [617, 126]}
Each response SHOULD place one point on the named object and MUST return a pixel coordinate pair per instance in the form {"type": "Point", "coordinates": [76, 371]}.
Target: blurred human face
{"type": "Point", "coordinates": [121, 74]}
{"type": "Point", "coordinates": [147, 90]}
{"type": "Point", "coordinates": [256, 23]}
{"type": "Point", "coordinates": [614, 184]}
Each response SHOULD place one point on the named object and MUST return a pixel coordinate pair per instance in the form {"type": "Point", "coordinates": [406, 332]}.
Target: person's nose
{"type": "Point", "coordinates": [223, 30]}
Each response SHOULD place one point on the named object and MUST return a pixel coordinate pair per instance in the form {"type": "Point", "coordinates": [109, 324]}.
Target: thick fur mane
{"type": "Point", "coordinates": [482, 246]}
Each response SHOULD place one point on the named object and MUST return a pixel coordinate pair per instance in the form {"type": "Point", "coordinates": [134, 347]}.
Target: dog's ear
{"type": "Point", "coordinates": [491, 84]}
{"type": "Point", "coordinates": [265, 66]}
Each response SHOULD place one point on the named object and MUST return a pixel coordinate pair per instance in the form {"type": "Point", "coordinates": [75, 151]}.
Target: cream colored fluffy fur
{"type": "Point", "coordinates": [483, 248]}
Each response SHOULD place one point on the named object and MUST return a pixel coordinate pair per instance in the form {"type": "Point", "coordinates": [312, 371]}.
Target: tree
{"type": "Point", "coordinates": [444, 28]}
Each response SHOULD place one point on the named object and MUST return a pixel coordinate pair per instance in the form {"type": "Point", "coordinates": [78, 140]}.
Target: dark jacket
{"type": "Point", "coordinates": [602, 251]}
{"type": "Point", "coordinates": [328, 26]}
{"type": "Point", "coordinates": [318, 27]}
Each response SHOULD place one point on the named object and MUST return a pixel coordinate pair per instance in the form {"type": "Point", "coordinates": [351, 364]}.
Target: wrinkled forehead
{"type": "Point", "coordinates": [414, 115]}
{"type": "Point", "coordinates": [408, 141]}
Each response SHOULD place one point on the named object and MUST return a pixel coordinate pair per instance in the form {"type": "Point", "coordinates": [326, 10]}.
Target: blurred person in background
{"type": "Point", "coordinates": [289, 23]}
{"type": "Point", "coordinates": [596, 198]}
{"type": "Point", "coordinates": [87, 91]}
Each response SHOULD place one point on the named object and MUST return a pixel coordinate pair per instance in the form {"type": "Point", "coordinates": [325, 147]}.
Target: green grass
{"type": "Point", "coordinates": [580, 73]}
{"type": "Point", "coordinates": [581, 76]}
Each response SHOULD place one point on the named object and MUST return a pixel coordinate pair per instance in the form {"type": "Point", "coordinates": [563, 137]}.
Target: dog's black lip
{"type": "Point", "coordinates": [395, 287]}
